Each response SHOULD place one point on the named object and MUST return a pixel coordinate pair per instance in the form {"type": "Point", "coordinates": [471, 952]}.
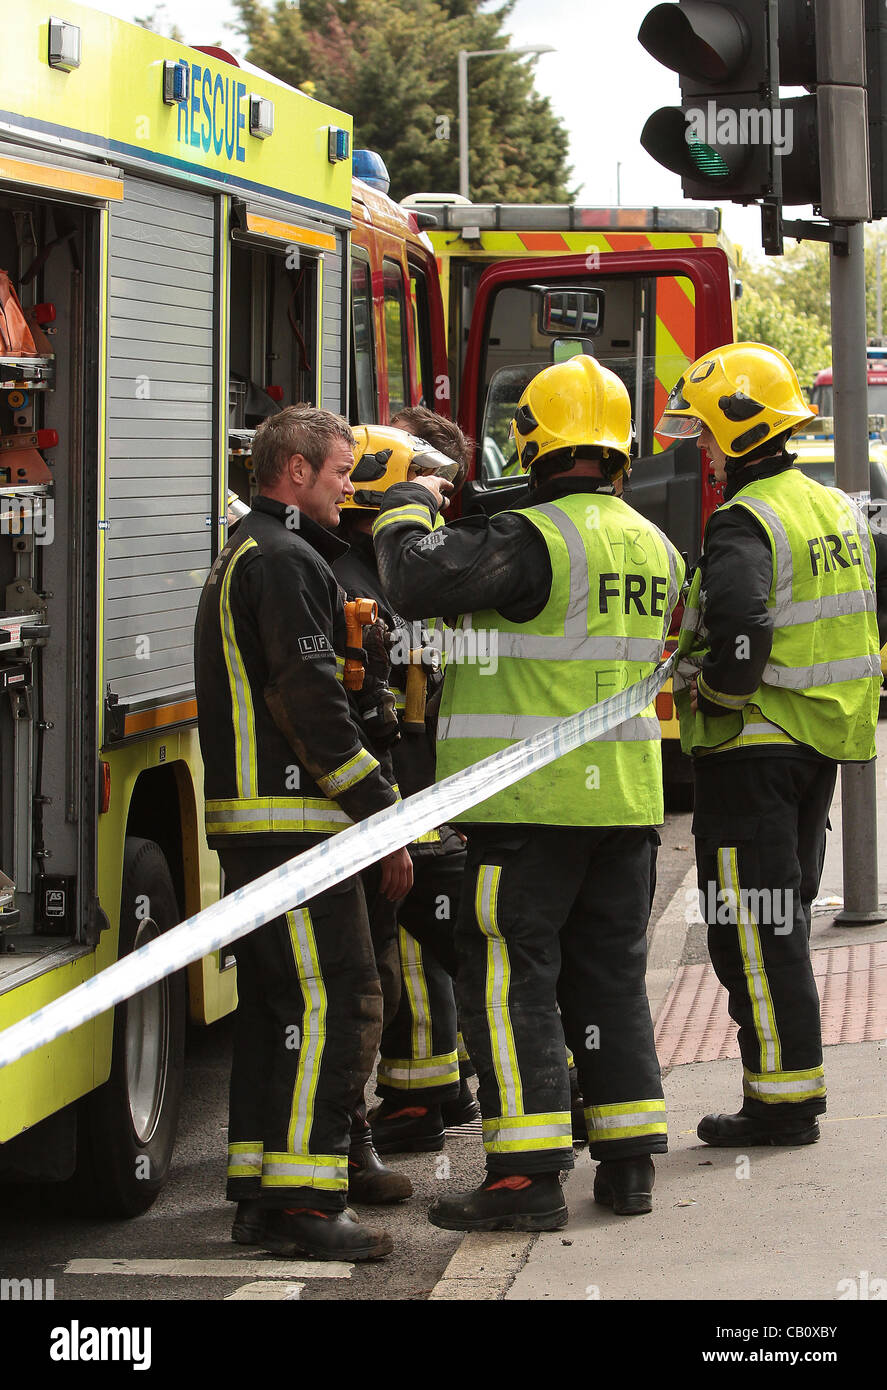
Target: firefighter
{"type": "Point", "coordinates": [779, 684]}
{"type": "Point", "coordinates": [567, 600]}
{"type": "Point", "coordinates": [285, 768]}
{"type": "Point", "coordinates": [418, 1077]}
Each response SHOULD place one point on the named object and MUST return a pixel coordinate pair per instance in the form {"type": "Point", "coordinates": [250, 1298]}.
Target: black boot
{"type": "Point", "coordinates": [323, 1236]}
{"type": "Point", "coordinates": [406, 1128]}
{"type": "Point", "coordinates": [249, 1222]}
{"type": "Point", "coordinates": [462, 1110]}
{"type": "Point", "coordinates": [626, 1185]}
{"type": "Point", "coordinates": [505, 1203]}
{"type": "Point", "coordinates": [369, 1181]}
{"type": "Point", "coordinates": [749, 1131]}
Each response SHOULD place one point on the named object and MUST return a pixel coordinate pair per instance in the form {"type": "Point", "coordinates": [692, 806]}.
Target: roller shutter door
{"type": "Point", "coordinates": [159, 476]}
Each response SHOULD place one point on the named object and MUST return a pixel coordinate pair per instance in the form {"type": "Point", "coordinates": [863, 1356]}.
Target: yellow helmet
{"type": "Point", "coordinates": [745, 393]}
{"type": "Point", "coordinates": [384, 456]}
{"type": "Point", "coordinates": [572, 405]}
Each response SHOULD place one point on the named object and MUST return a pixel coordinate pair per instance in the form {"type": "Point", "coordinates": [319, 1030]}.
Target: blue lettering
{"type": "Point", "coordinates": [207, 136]}
{"type": "Point", "coordinates": [218, 130]}
{"type": "Point", "coordinates": [230, 135]}
{"type": "Point", "coordinates": [181, 118]}
{"type": "Point", "coordinates": [195, 102]}
{"type": "Point", "coordinates": [241, 120]}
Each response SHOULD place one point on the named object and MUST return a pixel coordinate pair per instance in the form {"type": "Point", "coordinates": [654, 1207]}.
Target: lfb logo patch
{"type": "Point", "coordinates": [316, 645]}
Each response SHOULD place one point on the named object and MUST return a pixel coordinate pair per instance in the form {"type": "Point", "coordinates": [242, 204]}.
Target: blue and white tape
{"type": "Point", "coordinates": [309, 873]}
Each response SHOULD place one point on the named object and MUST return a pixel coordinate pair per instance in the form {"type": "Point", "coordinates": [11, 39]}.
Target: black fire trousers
{"type": "Point", "coordinates": [308, 1024]}
{"type": "Point", "coordinates": [760, 826]}
{"type": "Point", "coordinates": [419, 1064]}
{"type": "Point", "coordinates": [558, 916]}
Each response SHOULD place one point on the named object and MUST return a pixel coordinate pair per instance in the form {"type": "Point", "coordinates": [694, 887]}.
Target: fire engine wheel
{"type": "Point", "coordinates": [127, 1127]}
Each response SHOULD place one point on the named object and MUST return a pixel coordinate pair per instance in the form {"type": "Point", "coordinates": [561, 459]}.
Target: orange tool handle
{"type": "Point", "coordinates": [359, 612]}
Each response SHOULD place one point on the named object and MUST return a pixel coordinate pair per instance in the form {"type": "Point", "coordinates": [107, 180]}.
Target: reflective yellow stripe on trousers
{"type": "Point", "coordinates": [297, 1167]}
{"type": "Point", "coordinates": [511, 1099]}
{"type": "Point", "coordinates": [752, 963]}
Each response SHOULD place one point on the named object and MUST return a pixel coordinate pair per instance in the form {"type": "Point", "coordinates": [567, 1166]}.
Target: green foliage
{"type": "Point", "coordinates": [786, 302]}
{"type": "Point", "coordinates": [158, 23]}
{"type": "Point", "coordinates": [393, 65]}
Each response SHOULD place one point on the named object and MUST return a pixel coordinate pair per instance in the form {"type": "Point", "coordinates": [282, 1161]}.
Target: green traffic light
{"type": "Point", "coordinates": [706, 160]}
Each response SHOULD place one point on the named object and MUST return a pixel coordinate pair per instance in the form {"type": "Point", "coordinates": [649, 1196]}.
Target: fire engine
{"type": "Point", "coordinates": [175, 232]}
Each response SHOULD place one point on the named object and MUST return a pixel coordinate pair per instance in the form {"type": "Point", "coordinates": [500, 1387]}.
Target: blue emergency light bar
{"type": "Point", "coordinates": [370, 166]}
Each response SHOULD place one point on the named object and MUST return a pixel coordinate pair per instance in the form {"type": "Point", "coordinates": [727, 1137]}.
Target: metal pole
{"type": "Point", "coordinates": [880, 322]}
{"type": "Point", "coordinates": [463, 122]}
{"type": "Point", "coordinates": [858, 780]}
{"type": "Point", "coordinates": [618, 185]}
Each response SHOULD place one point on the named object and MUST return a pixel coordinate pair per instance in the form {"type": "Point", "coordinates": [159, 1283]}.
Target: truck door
{"type": "Point", "coordinates": [661, 310]}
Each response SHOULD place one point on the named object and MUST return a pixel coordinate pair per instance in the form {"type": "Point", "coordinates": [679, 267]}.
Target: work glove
{"type": "Point", "coordinates": [377, 645]}
{"type": "Point", "coordinates": [377, 710]}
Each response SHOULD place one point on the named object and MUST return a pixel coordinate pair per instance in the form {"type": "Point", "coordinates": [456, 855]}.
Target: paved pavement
{"type": "Point", "coordinates": [768, 1227]}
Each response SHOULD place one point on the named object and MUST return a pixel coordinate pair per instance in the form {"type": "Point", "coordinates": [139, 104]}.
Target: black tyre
{"type": "Point", "coordinates": [127, 1128]}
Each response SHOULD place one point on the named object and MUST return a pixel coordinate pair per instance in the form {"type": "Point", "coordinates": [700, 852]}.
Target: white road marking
{"type": "Point", "coordinates": [216, 1269]}
{"type": "Point", "coordinates": [265, 1290]}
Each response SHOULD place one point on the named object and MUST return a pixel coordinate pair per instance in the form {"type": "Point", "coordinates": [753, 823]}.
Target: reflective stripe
{"type": "Point", "coordinates": [786, 1086]}
{"type": "Point", "coordinates": [717, 697]}
{"type": "Point", "coordinates": [328, 1171]}
{"type": "Point", "coordinates": [674, 589]}
{"type": "Point", "coordinates": [349, 774]}
{"type": "Point", "coordinates": [242, 714]}
{"type": "Point", "coordinates": [340, 668]}
{"type": "Point", "coordinates": [511, 1098]}
{"type": "Point", "coordinates": [500, 726]}
{"type": "Point", "coordinates": [268, 814]}
{"type": "Point", "coordinates": [758, 985]}
{"type": "Point", "coordinates": [515, 1134]}
{"type": "Point", "coordinates": [782, 594]}
{"type": "Point", "coordinates": [411, 1074]}
{"type": "Point", "coordinates": [411, 515]}
{"type": "Point", "coordinates": [576, 618]}
{"type": "Point", "coordinates": [538, 648]}
{"type": "Point", "coordinates": [416, 988]}
{"type": "Point", "coordinates": [304, 948]}
{"type": "Point", "coordinates": [823, 672]}
{"type": "Point", "coordinates": [829, 606]}
{"type": "Point", "coordinates": [245, 1159]}
{"type": "Point", "coordinates": [625, 1120]}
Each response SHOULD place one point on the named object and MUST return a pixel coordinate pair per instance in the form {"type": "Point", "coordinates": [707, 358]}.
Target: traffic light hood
{"type": "Point", "coordinates": [575, 404]}
{"type": "Point", "coordinates": [384, 456]}
{"type": "Point", "coordinates": [745, 393]}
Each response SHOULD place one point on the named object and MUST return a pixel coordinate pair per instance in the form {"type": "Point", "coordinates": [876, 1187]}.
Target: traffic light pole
{"type": "Point", "coordinates": [858, 780]}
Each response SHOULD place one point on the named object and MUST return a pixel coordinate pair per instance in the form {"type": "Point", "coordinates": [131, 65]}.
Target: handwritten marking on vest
{"type": "Point", "coordinates": [629, 544]}
{"type": "Point", "coordinates": [631, 588]}
{"type": "Point", "coordinates": [826, 551]}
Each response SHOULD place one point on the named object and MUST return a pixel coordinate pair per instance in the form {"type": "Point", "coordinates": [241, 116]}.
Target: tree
{"type": "Point", "coordinates": [158, 23]}
{"type": "Point", "coordinates": [392, 64]}
{"type": "Point", "coordinates": [786, 302]}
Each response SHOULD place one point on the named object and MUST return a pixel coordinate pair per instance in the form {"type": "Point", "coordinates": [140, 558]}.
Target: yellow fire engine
{"type": "Point", "coordinates": [175, 235]}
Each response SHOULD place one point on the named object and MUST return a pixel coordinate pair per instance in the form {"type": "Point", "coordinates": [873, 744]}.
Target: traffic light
{"type": "Point", "coordinates": [876, 83]}
{"type": "Point", "coordinates": [732, 136]}
{"type": "Point", "coordinates": [720, 138]}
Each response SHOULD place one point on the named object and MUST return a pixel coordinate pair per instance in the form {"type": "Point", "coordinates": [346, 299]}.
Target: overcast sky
{"type": "Point", "coordinates": [601, 83]}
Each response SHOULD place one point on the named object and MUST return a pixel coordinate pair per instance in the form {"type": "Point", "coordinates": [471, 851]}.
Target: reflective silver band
{"type": "Point", "coordinates": [506, 726]}
{"type": "Point", "coordinates": [533, 647]}
{"type": "Point", "coordinates": [852, 668]}
{"type": "Point", "coordinates": [576, 620]}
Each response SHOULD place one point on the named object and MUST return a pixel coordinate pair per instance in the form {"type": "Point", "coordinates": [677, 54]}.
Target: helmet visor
{"type": "Point", "coordinates": [679, 426]}
{"type": "Point", "coordinates": [431, 462]}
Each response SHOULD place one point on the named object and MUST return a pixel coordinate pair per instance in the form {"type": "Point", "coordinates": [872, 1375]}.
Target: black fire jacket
{"type": "Point", "coordinates": [284, 758]}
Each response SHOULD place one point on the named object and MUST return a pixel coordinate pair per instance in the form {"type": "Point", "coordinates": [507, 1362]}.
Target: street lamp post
{"type": "Point", "coordinates": [464, 55]}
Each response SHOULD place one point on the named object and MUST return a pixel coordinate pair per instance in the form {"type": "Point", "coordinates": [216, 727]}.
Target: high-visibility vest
{"type": "Point", "coordinates": [615, 583]}
{"type": "Point", "coordinates": [822, 679]}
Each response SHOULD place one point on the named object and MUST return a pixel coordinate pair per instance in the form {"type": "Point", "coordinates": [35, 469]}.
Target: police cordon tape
{"type": "Point", "coordinates": [317, 869]}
